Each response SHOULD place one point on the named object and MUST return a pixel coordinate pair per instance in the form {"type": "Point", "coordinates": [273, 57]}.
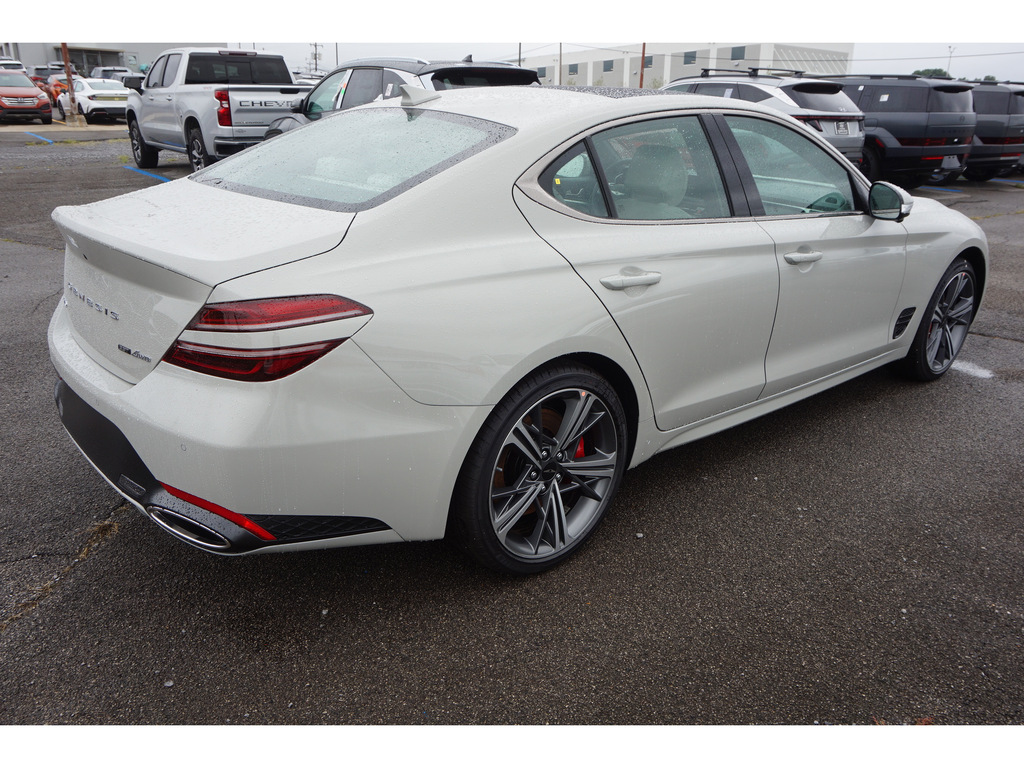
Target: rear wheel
{"type": "Point", "coordinates": [945, 324]}
{"type": "Point", "coordinates": [197, 156]}
{"type": "Point", "coordinates": [542, 472]}
{"type": "Point", "coordinates": [979, 175]}
{"type": "Point", "coordinates": [60, 111]}
{"type": "Point", "coordinates": [871, 165]}
{"type": "Point", "coordinates": [145, 156]}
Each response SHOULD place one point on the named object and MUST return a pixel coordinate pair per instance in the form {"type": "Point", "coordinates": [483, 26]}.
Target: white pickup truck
{"type": "Point", "coordinates": [207, 103]}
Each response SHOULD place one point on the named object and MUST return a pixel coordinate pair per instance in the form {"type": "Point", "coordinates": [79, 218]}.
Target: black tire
{"type": "Point", "coordinates": [945, 323]}
{"type": "Point", "coordinates": [871, 165]}
{"type": "Point", "coordinates": [60, 111]}
{"type": "Point", "coordinates": [528, 497]}
{"type": "Point", "coordinates": [145, 156]}
{"type": "Point", "coordinates": [979, 175]}
{"type": "Point", "coordinates": [47, 119]}
{"type": "Point", "coordinates": [197, 156]}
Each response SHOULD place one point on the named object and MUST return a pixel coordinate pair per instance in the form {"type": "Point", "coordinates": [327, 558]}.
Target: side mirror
{"type": "Point", "coordinates": [299, 106]}
{"type": "Point", "coordinates": [135, 83]}
{"type": "Point", "coordinates": [889, 202]}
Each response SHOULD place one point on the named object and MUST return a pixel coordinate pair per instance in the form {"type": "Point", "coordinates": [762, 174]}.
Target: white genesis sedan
{"type": "Point", "coordinates": [469, 313]}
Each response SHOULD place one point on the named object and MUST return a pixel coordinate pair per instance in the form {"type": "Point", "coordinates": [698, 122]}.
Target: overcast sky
{"type": "Point", "coordinates": [891, 38]}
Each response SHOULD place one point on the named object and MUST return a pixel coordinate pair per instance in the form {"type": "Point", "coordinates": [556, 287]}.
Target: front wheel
{"type": "Point", "coordinates": [945, 323]}
{"type": "Point", "coordinates": [197, 156]}
{"type": "Point", "coordinates": [60, 111]}
{"type": "Point", "coordinates": [541, 474]}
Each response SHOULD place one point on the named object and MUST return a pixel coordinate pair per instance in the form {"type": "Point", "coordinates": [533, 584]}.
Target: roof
{"type": "Point", "coordinates": [419, 66]}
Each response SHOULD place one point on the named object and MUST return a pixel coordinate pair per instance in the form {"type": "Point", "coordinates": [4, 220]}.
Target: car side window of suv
{"type": "Point", "coordinates": [363, 87]}
{"type": "Point", "coordinates": [793, 175]}
{"type": "Point", "coordinates": [324, 97]}
{"type": "Point", "coordinates": [572, 181]}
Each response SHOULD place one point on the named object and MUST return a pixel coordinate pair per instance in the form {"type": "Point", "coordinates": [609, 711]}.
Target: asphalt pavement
{"type": "Point", "coordinates": [853, 559]}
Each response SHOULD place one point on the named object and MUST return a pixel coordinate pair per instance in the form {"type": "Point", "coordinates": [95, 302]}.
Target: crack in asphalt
{"type": "Point", "coordinates": [99, 532]}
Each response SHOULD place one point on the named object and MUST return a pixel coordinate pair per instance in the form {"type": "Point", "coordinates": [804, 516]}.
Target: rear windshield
{"type": "Point", "coordinates": [468, 77]}
{"type": "Point", "coordinates": [15, 80]}
{"type": "Point", "coordinates": [992, 102]}
{"type": "Point", "coordinates": [941, 100]}
{"type": "Point", "coordinates": [825, 97]}
{"type": "Point", "coordinates": [357, 159]}
{"type": "Point", "coordinates": [236, 69]}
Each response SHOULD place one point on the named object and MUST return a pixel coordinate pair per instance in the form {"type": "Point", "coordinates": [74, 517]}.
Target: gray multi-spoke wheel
{"type": "Point", "coordinates": [945, 324]}
{"type": "Point", "coordinates": [542, 472]}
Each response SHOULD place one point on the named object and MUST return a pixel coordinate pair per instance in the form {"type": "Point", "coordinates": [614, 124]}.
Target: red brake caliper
{"type": "Point", "coordinates": [579, 450]}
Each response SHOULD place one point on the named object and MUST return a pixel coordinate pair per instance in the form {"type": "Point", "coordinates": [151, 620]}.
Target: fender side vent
{"type": "Point", "coordinates": [903, 321]}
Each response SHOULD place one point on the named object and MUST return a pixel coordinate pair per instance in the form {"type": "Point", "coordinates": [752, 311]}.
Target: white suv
{"type": "Point", "coordinates": [820, 104]}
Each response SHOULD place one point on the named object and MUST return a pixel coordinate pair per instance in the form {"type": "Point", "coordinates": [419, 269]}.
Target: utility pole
{"type": "Point", "coordinates": [559, 63]}
{"type": "Point", "coordinates": [72, 117]}
{"type": "Point", "coordinates": [316, 56]}
{"type": "Point", "coordinates": [643, 61]}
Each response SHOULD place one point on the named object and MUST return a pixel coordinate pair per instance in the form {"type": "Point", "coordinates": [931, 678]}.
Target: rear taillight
{"type": "Point", "coordinates": [223, 108]}
{"type": "Point", "coordinates": [811, 121]}
{"type": "Point", "coordinates": [273, 314]}
{"type": "Point", "coordinates": [254, 365]}
{"type": "Point", "coordinates": [276, 313]}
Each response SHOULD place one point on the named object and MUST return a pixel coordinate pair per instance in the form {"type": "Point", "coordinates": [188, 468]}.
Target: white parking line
{"type": "Point", "coordinates": [972, 370]}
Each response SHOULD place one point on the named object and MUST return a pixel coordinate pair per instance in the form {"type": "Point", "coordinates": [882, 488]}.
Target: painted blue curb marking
{"type": "Point", "coordinates": [144, 173]}
{"type": "Point", "coordinates": [41, 138]}
{"type": "Point", "coordinates": [1009, 181]}
{"type": "Point", "coordinates": [943, 189]}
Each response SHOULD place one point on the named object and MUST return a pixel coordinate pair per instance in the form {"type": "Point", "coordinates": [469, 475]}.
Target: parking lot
{"type": "Point", "coordinates": [856, 558]}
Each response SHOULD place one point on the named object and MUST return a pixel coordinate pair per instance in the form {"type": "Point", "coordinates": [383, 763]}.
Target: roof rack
{"type": "Point", "coordinates": [755, 71]}
{"type": "Point", "coordinates": [890, 77]}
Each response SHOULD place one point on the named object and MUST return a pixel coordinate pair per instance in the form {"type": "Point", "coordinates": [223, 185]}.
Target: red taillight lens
{"type": "Point", "coordinates": [220, 511]}
{"type": "Point", "coordinates": [224, 108]}
{"type": "Point", "coordinates": [275, 314]}
{"type": "Point", "coordinates": [255, 365]}
{"type": "Point", "coordinates": [811, 121]}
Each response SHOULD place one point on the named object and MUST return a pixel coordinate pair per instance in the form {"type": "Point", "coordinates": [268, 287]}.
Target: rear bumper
{"type": "Point", "coordinates": [113, 456]}
{"type": "Point", "coordinates": [225, 147]}
{"type": "Point", "coordinates": [334, 455]}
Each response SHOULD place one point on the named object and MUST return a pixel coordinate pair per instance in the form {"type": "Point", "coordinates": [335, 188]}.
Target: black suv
{"type": "Point", "coordinates": [916, 128]}
{"type": "Point", "coordinates": [364, 80]}
{"type": "Point", "coordinates": [999, 138]}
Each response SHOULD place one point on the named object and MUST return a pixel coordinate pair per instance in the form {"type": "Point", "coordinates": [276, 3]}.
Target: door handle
{"type": "Point", "coordinates": [621, 282]}
{"type": "Point", "coordinates": [803, 257]}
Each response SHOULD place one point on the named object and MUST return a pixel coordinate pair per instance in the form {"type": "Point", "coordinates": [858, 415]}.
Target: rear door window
{"type": "Point", "coordinates": [897, 99]}
{"type": "Point", "coordinates": [170, 70]}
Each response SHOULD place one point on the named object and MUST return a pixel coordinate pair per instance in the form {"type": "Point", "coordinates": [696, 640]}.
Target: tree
{"type": "Point", "coordinates": [934, 72]}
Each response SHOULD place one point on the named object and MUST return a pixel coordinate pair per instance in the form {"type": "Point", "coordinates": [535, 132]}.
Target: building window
{"type": "Point", "coordinates": [739, 52]}
{"type": "Point", "coordinates": [690, 57]}
{"type": "Point", "coordinates": [648, 62]}
{"type": "Point", "coordinates": [609, 65]}
{"type": "Point", "coordinates": [542, 71]}
{"type": "Point", "coordinates": [574, 69]}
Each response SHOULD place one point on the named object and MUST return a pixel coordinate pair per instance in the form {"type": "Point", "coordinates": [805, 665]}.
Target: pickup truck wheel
{"type": "Point", "coordinates": [145, 156]}
{"type": "Point", "coordinates": [197, 150]}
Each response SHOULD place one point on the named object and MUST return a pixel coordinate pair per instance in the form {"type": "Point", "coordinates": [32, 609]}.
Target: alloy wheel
{"type": "Point", "coordinates": [554, 474]}
{"type": "Point", "coordinates": [950, 321]}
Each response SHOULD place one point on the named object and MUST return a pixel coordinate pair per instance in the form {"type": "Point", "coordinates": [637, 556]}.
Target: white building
{"type": "Point", "coordinates": [620, 66]}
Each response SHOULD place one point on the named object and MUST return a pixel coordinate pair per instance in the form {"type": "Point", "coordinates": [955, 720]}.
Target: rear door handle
{"type": "Point", "coordinates": [803, 257]}
{"type": "Point", "coordinates": [621, 282]}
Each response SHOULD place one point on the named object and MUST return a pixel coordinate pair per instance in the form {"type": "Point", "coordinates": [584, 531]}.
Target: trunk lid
{"type": "Point", "coordinates": [137, 268]}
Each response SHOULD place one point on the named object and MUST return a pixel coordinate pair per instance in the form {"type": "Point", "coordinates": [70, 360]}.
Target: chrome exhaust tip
{"type": "Point", "coordinates": [187, 529]}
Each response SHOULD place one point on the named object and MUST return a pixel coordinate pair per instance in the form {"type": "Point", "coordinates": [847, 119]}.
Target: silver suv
{"type": "Point", "coordinates": [819, 104]}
